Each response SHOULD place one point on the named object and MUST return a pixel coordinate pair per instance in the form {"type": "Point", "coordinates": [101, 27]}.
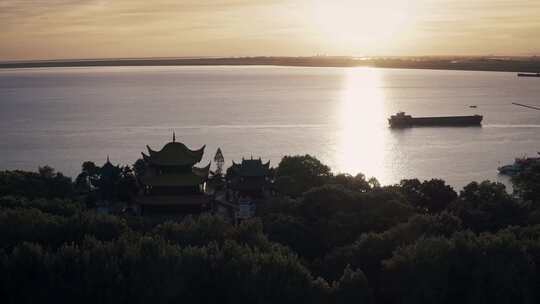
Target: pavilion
{"type": "Point", "coordinates": [172, 183]}
{"type": "Point", "coordinates": [249, 178]}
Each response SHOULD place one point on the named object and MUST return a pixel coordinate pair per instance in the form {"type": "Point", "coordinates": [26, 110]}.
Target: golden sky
{"type": "Point", "coordinates": [54, 29]}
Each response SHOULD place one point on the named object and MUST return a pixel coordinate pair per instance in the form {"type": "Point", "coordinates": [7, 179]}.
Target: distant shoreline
{"type": "Point", "coordinates": [509, 64]}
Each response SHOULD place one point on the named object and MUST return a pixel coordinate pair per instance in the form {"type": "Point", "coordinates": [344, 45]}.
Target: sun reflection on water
{"type": "Point", "coordinates": [362, 135]}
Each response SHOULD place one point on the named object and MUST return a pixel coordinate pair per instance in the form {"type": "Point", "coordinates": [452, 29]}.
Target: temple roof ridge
{"type": "Point", "coordinates": [174, 154]}
{"type": "Point", "coordinates": [252, 167]}
{"type": "Point", "coordinates": [202, 171]}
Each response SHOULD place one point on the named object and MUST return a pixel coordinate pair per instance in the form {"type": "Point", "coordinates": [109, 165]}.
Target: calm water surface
{"type": "Point", "coordinates": [64, 116]}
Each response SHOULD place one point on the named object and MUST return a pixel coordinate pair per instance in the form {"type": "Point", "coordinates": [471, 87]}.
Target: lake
{"type": "Point", "coordinates": [64, 116]}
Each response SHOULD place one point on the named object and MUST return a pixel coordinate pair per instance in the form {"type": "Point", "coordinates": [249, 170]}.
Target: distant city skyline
{"type": "Point", "coordinates": [78, 29]}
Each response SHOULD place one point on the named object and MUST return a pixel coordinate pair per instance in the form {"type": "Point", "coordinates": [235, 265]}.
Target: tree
{"type": "Point", "coordinates": [337, 216]}
{"type": "Point", "coordinates": [46, 172]}
{"type": "Point", "coordinates": [87, 179]}
{"type": "Point", "coordinates": [353, 287]}
{"type": "Point", "coordinates": [305, 171]}
{"type": "Point", "coordinates": [370, 249]}
{"type": "Point", "coordinates": [43, 184]}
{"type": "Point", "coordinates": [109, 182]}
{"type": "Point", "coordinates": [527, 182]}
{"type": "Point", "coordinates": [354, 183]}
{"type": "Point", "coordinates": [487, 207]}
{"type": "Point", "coordinates": [466, 268]}
{"type": "Point", "coordinates": [431, 196]}
{"type": "Point", "coordinates": [139, 168]}
{"type": "Point", "coordinates": [127, 185]}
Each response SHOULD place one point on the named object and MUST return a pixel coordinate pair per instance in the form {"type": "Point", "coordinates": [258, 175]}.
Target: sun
{"type": "Point", "coordinates": [362, 26]}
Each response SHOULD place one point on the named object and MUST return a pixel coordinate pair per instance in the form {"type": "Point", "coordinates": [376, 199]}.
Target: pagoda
{"type": "Point", "coordinates": [109, 174]}
{"type": "Point", "coordinates": [250, 178]}
{"type": "Point", "coordinates": [171, 182]}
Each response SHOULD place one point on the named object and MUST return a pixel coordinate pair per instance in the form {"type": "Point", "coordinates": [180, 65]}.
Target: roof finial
{"type": "Point", "coordinates": [108, 158]}
{"type": "Point", "coordinates": [173, 136]}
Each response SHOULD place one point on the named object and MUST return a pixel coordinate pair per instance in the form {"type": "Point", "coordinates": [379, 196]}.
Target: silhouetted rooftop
{"type": "Point", "coordinates": [251, 168]}
{"type": "Point", "coordinates": [174, 154]}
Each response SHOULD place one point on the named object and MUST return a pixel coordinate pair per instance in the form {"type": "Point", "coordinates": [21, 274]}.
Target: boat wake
{"type": "Point", "coordinates": [511, 126]}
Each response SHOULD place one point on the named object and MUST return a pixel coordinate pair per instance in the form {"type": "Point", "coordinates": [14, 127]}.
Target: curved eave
{"type": "Point", "coordinates": [199, 152]}
{"type": "Point", "coordinates": [150, 151]}
{"type": "Point", "coordinates": [174, 154]}
{"type": "Point", "coordinates": [202, 172]}
{"type": "Point", "coordinates": [145, 157]}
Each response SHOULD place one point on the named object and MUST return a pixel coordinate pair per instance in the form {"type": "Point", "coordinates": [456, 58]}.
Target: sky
{"type": "Point", "coordinates": [69, 29]}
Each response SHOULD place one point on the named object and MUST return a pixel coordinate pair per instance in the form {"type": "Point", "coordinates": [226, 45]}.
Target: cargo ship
{"type": "Point", "coordinates": [528, 74]}
{"type": "Point", "coordinates": [402, 120]}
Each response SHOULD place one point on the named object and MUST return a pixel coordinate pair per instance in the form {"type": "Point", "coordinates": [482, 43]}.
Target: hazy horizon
{"type": "Point", "coordinates": [84, 29]}
{"type": "Point", "coordinates": [374, 57]}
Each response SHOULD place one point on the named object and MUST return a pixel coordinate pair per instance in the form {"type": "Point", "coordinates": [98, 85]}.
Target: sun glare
{"type": "Point", "coordinates": [362, 26]}
{"type": "Point", "coordinates": [361, 140]}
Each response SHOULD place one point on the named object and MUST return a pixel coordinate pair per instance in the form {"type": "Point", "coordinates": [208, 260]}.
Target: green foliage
{"type": "Point", "coordinates": [366, 243]}
{"type": "Point", "coordinates": [139, 168]}
{"type": "Point", "coordinates": [54, 206]}
{"type": "Point", "coordinates": [371, 249]}
{"type": "Point", "coordinates": [44, 184]}
{"type": "Point", "coordinates": [149, 269]}
{"type": "Point", "coordinates": [353, 287]}
{"type": "Point", "coordinates": [354, 183]}
{"type": "Point", "coordinates": [291, 231]}
{"type": "Point", "coordinates": [108, 183]}
{"type": "Point", "coordinates": [466, 268]}
{"type": "Point", "coordinates": [488, 207]}
{"type": "Point", "coordinates": [331, 216]}
{"type": "Point", "coordinates": [32, 225]}
{"type": "Point", "coordinates": [431, 196]}
{"type": "Point", "coordinates": [302, 172]}
{"type": "Point", "coordinates": [126, 187]}
{"type": "Point", "coordinates": [527, 182]}
{"type": "Point", "coordinates": [195, 231]}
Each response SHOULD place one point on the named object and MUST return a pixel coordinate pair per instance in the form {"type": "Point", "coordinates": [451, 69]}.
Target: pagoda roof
{"type": "Point", "coordinates": [174, 154]}
{"type": "Point", "coordinates": [252, 168]}
{"type": "Point", "coordinates": [194, 178]}
{"type": "Point", "coordinates": [108, 168]}
{"type": "Point", "coordinates": [203, 172]}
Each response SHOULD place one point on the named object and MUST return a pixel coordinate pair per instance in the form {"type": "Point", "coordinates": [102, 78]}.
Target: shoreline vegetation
{"type": "Point", "coordinates": [323, 238]}
{"type": "Point", "coordinates": [479, 63]}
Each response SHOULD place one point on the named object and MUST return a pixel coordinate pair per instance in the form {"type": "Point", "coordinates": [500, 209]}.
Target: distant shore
{"type": "Point", "coordinates": [501, 64]}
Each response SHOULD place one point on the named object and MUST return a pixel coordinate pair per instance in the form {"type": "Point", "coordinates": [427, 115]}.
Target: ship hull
{"type": "Point", "coordinates": [528, 74]}
{"type": "Point", "coordinates": [448, 121]}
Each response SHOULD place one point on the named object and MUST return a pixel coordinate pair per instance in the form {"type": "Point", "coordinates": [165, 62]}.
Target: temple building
{"type": "Point", "coordinates": [109, 174]}
{"type": "Point", "coordinates": [249, 178]}
{"type": "Point", "coordinates": [171, 182]}
{"type": "Point", "coordinates": [247, 183]}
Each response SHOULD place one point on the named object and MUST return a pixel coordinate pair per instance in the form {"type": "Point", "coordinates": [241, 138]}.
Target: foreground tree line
{"type": "Point", "coordinates": [325, 239]}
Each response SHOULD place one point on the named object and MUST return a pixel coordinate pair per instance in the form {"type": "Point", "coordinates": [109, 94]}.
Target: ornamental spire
{"type": "Point", "coordinates": [173, 137]}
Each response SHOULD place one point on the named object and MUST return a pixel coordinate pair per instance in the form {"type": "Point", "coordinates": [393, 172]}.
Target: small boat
{"type": "Point", "coordinates": [473, 107]}
{"type": "Point", "coordinates": [510, 170]}
{"type": "Point", "coordinates": [518, 165]}
{"type": "Point", "coordinates": [528, 74]}
{"type": "Point", "coordinates": [402, 120]}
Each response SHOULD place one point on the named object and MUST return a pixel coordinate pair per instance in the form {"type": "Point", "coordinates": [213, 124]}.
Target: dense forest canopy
{"type": "Point", "coordinates": [325, 238]}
